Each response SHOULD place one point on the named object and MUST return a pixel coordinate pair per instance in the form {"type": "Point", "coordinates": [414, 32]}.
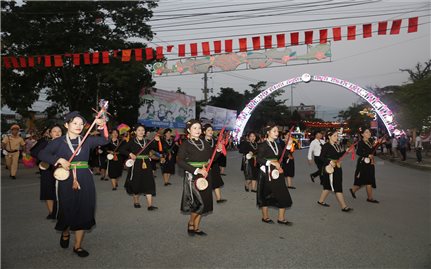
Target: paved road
{"type": "Point", "coordinates": [392, 234]}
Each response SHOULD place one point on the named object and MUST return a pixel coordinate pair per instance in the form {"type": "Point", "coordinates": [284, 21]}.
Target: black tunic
{"type": "Point", "coordinates": [216, 178]}
{"type": "Point", "coordinates": [115, 166]}
{"type": "Point", "coordinates": [332, 152]}
{"type": "Point", "coordinates": [98, 158]}
{"type": "Point", "coordinates": [250, 167]}
{"type": "Point", "coordinates": [272, 192]}
{"type": "Point", "coordinates": [139, 180]}
{"type": "Point", "coordinates": [365, 172]}
{"type": "Point", "coordinates": [170, 150]}
{"type": "Point", "coordinates": [193, 200]}
{"type": "Point", "coordinates": [76, 208]}
{"type": "Point", "coordinates": [288, 161]}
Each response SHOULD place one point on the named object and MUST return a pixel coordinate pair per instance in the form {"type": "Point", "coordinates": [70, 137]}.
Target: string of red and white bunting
{"type": "Point", "coordinates": [307, 37]}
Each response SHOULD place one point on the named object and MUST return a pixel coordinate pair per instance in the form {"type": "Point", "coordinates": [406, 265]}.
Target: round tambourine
{"type": "Point", "coordinates": [329, 169]}
{"type": "Point", "coordinates": [367, 160]}
{"type": "Point", "coordinates": [43, 166]}
{"type": "Point", "coordinates": [61, 174]}
{"type": "Point", "coordinates": [249, 155]}
{"type": "Point", "coordinates": [275, 174]}
{"type": "Point", "coordinates": [5, 152]}
{"type": "Point", "coordinates": [110, 156]}
{"type": "Point", "coordinates": [201, 183]}
{"type": "Point", "coordinates": [130, 162]}
{"type": "Point", "coordinates": [99, 151]}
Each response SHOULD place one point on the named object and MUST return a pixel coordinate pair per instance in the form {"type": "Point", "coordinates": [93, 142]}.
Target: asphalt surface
{"type": "Point", "coordinates": [392, 234]}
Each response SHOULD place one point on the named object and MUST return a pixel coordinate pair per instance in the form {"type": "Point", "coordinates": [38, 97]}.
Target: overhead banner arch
{"type": "Point", "coordinates": [380, 108]}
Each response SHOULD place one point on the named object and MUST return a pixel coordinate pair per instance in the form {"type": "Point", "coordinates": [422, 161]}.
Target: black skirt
{"type": "Point", "coordinates": [169, 166]}
{"type": "Point", "coordinates": [47, 185]}
{"type": "Point", "coordinates": [140, 181]}
{"type": "Point", "coordinates": [193, 200]}
{"type": "Point", "coordinates": [289, 167]}
{"type": "Point", "coordinates": [336, 184]}
{"type": "Point", "coordinates": [251, 170]}
{"type": "Point", "coordinates": [216, 178]}
{"type": "Point", "coordinates": [272, 193]}
{"type": "Point", "coordinates": [115, 168]}
{"type": "Point", "coordinates": [221, 160]}
{"type": "Point", "coordinates": [365, 174]}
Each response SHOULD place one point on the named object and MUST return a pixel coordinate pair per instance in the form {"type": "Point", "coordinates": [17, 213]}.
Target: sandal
{"type": "Point", "coordinates": [201, 233]}
{"type": "Point", "coordinates": [191, 231]}
{"type": "Point", "coordinates": [352, 193]}
{"type": "Point", "coordinates": [323, 204]}
{"type": "Point", "coordinates": [347, 209]}
{"type": "Point", "coordinates": [268, 220]}
{"type": "Point", "coordinates": [285, 222]}
{"type": "Point", "coordinates": [64, 243]}
{"type": "Point", "coordinates": [81, 252]}
{"type": "Point", "coordinates": [372, 201]}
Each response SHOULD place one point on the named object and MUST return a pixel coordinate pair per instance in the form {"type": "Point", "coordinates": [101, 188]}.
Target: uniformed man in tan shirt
{"type": "Point", "coordinates": [12, 144]}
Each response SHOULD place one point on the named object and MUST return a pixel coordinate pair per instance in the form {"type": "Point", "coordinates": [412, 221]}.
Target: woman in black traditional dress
{"type": "Point", "coordinates": [365, 169]}
{"type": "Point", "coordinates": [167, 163]}
{"type": "Point", "coordinates": [140, 179]}
{"type": "Point", "coordinates": [222, 160]}
{"type": "Point", "coordinates": [115, 165]}
{"type": "Point", "coordinates": [76, 206]}
{"type": "Point", "coordinates": [217, 181]}
{"type": "Point", "coordinates": [288, 164]}
{"type": "Point", "coordinates": [248, 148]}
{"type": "Point", "coordinates": [331, 152]}
{"type": "Point", "coordinates": [47, 180]}
{"type": "Point", "coordinates": [98, 160]}
{"type": "Point", "coordinates": [193, 155]}
{"type": "Point", "coordinates": [271, 191]}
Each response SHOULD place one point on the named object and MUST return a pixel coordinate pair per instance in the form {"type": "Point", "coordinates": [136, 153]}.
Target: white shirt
{"type": "Point", "coordinates": [418, 142]}
{"type": "Point", "coordinates": [315, 148]}
{"type": "Point", "coordinates": [394, 142]}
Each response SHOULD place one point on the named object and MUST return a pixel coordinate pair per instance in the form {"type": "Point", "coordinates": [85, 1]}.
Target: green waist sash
{"type": "Point", "coordinates": [197, 164]}
{"type": "Point", "coordinates": [79, 164]}
{"type": "Point", "coordinates": [142, 157]}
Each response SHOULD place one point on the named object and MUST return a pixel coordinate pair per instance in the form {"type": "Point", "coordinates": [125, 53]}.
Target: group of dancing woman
{"type": "Point", "coordinates": [268, 167]}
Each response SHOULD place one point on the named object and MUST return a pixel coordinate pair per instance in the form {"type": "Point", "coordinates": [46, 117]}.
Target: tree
{"type": "Point", "coordinates": [45, 27]}
{"type": "Point", "coordinates": [228, 98]}
{"type": "Point", "coordinates": [354, 119]}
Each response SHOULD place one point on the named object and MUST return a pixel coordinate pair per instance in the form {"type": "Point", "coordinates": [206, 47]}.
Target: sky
{"type": "Point", "coordinates": [372, 62]}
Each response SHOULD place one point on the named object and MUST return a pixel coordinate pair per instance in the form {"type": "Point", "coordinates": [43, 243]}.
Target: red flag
{"type": "Point", "coordinates": [159, 52]}
{"type": "Point", "coordinates": [160, 146]}
{"type": "Point", "coordinates": [383, 25]}
{"type": "Point", "coordinates": [47, 60]}
{"type": "Point", "coordinates": [242, 44]}
{"type": "Point", "coordinates": [413, 25]}
{"type": "Point", "coordinates": [6, 62]}
{"type": "Point", "coordinates": [115, 53]}
{"type": "Point", "coordinates": [126, 55]}
{"type": "Point", "coordinates": [206, 48]}
{"type": "Point", "coordinates": [58, 60]}
{"type": "Point", "coordinates": [308, 37]}
{"type": "Point", "coordinates": [256, 42]}
{"type": "Point", "coordinates": [149, 54]}
{"type": "Point", "coordinates": [105, 57]}
{"type": "Point", "coordinates": [228, 45]}
{"type": "Point", "coordinates": [294, 38]}
{"type": "Point", "coordinates": [367, 30]}
{"type": "Point", "coordinates": [169, 48]}
{"type": "Point", "coordinates": [181, 50]}
{"type": "Point", "coordinates": [336, 33]}
{"type": "Point", "coordinates": [76, 59]}
{"type": "Point", "coordinates": [351, 32]}
{"type": "Point", "coordinates": [281, 40]}
{"type": "Point", "coordinates": [86, 58]}
{"type": "Point", "coordinates": [39, 59]}
{"type": "Point", "coordinates": [31, 61]}
{"type": "Point", "coordinates": [22, 62]}
{"type": "Point", "coordinates": [217, 46]}
{"type": "Point", "coordinates": [194, 49]}
{"type": "Point", "coordinates": [268, 41]}
{"type": "Point", "coordinates": [396, 25]}
{"type": "Point", "coordinates": [96, 57]}
{"type": "Point", "coordinates": [323, 33]}
{"type": "Point", "coordinates": [138, 55]}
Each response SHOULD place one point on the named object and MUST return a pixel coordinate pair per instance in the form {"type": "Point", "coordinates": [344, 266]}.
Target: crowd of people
{"type": "Point", "coordinates": [268, 165]}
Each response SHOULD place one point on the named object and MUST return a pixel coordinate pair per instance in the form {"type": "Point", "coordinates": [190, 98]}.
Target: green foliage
{"type": "Point", "coordinates": [45, 27]}
{"type": "Point", "coordinates": [354, 119]}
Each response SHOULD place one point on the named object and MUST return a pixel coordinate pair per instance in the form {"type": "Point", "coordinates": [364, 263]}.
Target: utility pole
{"type": "Point", "coordinates": [205, 88]}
